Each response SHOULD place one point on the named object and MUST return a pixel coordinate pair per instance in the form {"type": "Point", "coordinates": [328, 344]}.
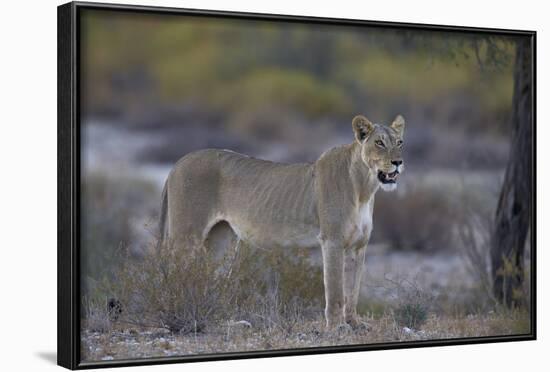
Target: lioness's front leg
{"type": "Point", "coordinates": [354, 259]}
{"type": "Point", "coordinates": [333, 267]}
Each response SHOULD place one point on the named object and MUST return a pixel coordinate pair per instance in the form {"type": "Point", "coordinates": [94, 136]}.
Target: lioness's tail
{"type": "Point", "coordinates": [163, 229]}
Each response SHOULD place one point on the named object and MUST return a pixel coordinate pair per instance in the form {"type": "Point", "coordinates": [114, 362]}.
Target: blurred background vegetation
{"type": "Point", "coordinates": [141, 63]}
{"type": "Point", "coordinates": [155, 87]}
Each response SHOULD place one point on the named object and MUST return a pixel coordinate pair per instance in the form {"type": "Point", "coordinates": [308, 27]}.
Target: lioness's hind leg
{"type": "Point", "coordinates": [186, 222]}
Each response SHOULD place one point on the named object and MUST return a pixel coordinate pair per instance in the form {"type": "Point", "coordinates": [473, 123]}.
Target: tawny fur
{"type": "Point", "coordinates": [328, 203]}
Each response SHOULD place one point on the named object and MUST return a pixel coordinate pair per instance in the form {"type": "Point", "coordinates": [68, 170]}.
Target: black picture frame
{"type": "Point", "coordinates": [68, 334]}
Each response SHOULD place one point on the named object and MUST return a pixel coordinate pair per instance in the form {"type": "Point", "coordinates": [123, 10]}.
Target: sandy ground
{"type": "Point", "coordinates": [124, 343]}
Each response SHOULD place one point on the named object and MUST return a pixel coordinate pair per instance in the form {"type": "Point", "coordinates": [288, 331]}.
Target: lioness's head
{"type": "Point", "coordinates": [381, 148]}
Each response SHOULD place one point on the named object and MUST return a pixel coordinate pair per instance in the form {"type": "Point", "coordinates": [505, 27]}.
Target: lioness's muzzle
{"type": "Point", "coordinates": [388, 177]}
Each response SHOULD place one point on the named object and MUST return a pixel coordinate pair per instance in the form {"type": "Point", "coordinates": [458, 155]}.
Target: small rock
{"type": "Point", "coordinates": [108, 357]}
{"type": "Point", "coordinates": [241, 323]}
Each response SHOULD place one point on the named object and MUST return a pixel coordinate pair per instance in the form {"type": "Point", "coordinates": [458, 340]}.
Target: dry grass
{"type": "Point", "coordinates": [177, 303]}
{"type": "Point", "coordinates": [123, 343]}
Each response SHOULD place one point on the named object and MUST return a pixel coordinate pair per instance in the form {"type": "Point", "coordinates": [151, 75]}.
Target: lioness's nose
{"type": "Point", "coordinates": [397, 162]}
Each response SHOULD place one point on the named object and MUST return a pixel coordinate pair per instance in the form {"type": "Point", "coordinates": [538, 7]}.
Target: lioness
{"type": "Point", "coordinates": [327, 203]}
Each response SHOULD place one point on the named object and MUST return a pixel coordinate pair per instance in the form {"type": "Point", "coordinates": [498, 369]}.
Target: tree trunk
{"type": "Point", "coordinates": [513, 214]}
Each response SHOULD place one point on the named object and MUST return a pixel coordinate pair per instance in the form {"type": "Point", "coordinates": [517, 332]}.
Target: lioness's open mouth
{"type": "Point", "coordinates": [388, 177]}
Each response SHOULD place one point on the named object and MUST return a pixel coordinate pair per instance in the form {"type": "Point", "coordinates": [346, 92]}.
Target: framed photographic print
{"type": "Point", "coordinates": [236, 185]}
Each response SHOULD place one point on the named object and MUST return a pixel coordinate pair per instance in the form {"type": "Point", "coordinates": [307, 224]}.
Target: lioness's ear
{"type": "Point", "coordinates": [398, 124]}
{"type": "Point", "coordinates": [362, 127]}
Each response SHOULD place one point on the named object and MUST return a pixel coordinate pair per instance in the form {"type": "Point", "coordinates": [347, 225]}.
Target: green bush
{"type": "Point", "coordinates": [412, 303]}
{"type": "Point", "coordinates": [411, 315]}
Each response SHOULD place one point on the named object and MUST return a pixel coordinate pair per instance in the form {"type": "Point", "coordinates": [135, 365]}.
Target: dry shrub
{"type": "Point", "coordinates": [171, 288]}
{"type": "Point", "coordinates": [189, 291]}
{"type": "Point", "coordinates": [282, 288]}
{"type": "Point", "coordinates": [474, 228]}
{"type": "Point", "coordinates": [475, 222]}
{"type": "Point", "coordinates": [96, 316]}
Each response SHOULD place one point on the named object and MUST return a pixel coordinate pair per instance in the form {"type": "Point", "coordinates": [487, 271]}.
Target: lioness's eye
{"type": "Point", "coordinates": [399, 143]}
{"type": "Point", "coordinates": [379, 143]}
